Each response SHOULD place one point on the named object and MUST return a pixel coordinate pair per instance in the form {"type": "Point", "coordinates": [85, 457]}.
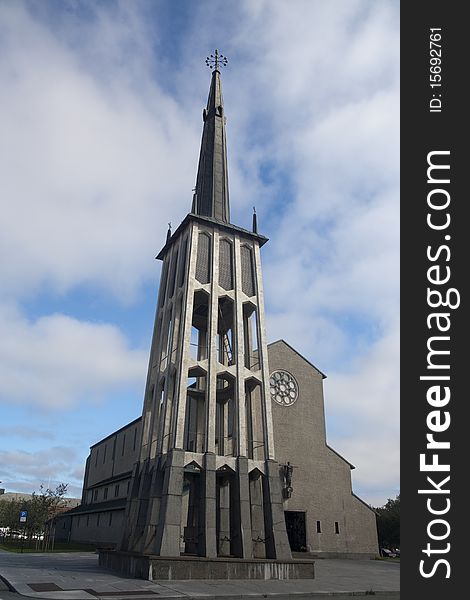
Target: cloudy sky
{"type": "Point", "coordinates": [100, 120]}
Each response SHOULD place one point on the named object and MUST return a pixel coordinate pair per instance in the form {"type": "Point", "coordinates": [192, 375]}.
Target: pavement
{"type": "Point", "coordinates": [77, 576]}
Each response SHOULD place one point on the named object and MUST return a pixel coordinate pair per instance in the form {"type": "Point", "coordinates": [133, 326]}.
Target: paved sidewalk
{"type": "Point", "coordinates": [77, 576]}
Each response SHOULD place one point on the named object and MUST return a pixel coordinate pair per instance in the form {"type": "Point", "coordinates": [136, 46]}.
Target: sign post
{"type": "Point", "coordinates": [23, 518]}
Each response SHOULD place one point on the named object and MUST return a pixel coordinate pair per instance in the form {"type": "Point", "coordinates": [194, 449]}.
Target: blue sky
{"type": "Point", "coordinates": [100, 113]}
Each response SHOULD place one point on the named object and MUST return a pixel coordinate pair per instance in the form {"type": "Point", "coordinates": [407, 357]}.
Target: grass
{"type": "Point", "coordinates": [30, 546]}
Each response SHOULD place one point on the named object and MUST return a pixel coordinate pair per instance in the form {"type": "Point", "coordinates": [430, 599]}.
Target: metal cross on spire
{"type": "Point", "coordinates": [214, 61]}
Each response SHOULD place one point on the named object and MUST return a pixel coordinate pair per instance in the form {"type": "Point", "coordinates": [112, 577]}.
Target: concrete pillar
{"type": "Point", "coordinates": [167, 542]}
{"type": "Point", "coordinates": [277, 544]}
{"type": "Point", "coordinates": [258, 533]}
{"type": "Point", "coordinates": [241, 517]}
{"type": "Point", "coordinates": [223, 516]}
{"type": "Point", "coordinates": [208, 527]}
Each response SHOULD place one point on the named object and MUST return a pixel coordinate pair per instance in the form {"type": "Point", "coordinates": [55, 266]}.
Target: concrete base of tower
{"type": "Point", "coordinates": [156, 568]}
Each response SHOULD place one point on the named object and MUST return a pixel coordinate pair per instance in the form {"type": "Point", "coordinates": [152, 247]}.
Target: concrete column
{"type": "Point", "coordinates": [167, 542]}
{"type": "Point", "coordinates": [223, 517]}
{"type": "Point", "coordinates": [263, 358]}
{"type": "Point", "coordinates": [208, 528]}
{"type": "Point", "coordinates": [241, 518]}
{"type": "Point", "coordinates": [277, 545]}
{"type": "Point", "coordinates": [240, 360]}
{"type": "Point", "coordinates": [258, 533]}
{"type": "Point", "coordinates": [185, 337]}
{"type": "Point", "coordinates": [213, 319]}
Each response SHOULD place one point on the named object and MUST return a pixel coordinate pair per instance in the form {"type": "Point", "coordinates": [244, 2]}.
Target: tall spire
{"type": "Point", "coordinates": [211, 198]}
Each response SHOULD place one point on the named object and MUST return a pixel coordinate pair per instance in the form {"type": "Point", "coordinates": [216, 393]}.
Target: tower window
{"type": "Point", "coordinates": [163, 282]}
{"type": "Point", "coordinates": [248, 281]}
{"type": "Point", "coordinates": [184, 257]}
{"type": "Point", "coordinates": [318, 527]}
{"type": "Point", "coordinates": [225, 265]}
{"type": "Point", "coordinates": [336, 527]}
{"type": "Point", "coordinates": [203, 258]}
{"type": "Point", "coordinates": [173, 275]}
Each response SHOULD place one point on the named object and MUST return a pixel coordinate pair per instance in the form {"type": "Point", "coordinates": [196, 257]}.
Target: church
{"type": "Point", "coordinates": [230, 457]}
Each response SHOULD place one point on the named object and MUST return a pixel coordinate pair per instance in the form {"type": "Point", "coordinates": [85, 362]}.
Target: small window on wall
{"type": "Point", "coordinates": [336, 527]}
{"type": "Point", "coordinates": [98, 520]}
{"type": "Point", "coordinates": [116, 490]}
{"type": "Point", "coordinates": [318, 527]}
{"type": "Point", "coordinates": [105, 493]}
{"type": "Point", "coordinates": [110, 519]}
{"type": "Point", "coordinates": [95, 495]}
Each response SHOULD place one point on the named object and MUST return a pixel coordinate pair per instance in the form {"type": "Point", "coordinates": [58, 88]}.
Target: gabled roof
{"type": "Point", "coordinates": [281, 341]}
{"type": "Point", "coordinates": [341, 457]}
{"type": "Point", "coordinates": [134, 422]}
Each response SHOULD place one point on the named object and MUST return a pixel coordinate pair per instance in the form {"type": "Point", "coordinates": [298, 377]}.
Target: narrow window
{"type": "Point", "coordinates": [116, 490]}
{"type": "Point", "coordinates": [203, 258]}
{"type": "Point", "coordinates": [110, 518]}
{"type": "Point", "coordinates": [96, 456]}
{"type": "Point", "coordinates": [248, 281]}
{"type": "Point", "coordinates": [318, 527]}
{"type": "Point", "coordinates": [127, 491]}
{"type": "Point", "coordinates": [123, 444]}
{"type": "Point", "coordinates": [184, 257]}
{"type": "Point", "coordinates": [225, 265]}
{"type": "Point", "coordinates": [98, 519]}
{"type": "Point", "coordinates": [104, 455]}
{"type": "Point", "coordinates": [336, 527]}
{"type": "Point", "coordinates": [95, 495]}
{"type": "Point", "coordinates": [163, 282]}
{"type": "Point", "coordinates": [87, 520]}
{"type": "Point", "coordinates": [105, 493]}
{"type": "Point", "coordinates": [135, 438]}
{"type": "Point", "coordinates": [173, 275]}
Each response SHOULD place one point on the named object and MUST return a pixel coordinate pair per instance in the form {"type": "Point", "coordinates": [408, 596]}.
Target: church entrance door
{"type": "Point", "coordinates": [296, 531]}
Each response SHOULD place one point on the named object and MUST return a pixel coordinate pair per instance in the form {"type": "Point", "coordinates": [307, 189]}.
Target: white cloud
{"type": "Point", "coordinates": [27, 471]}
{"type": "Point", "coordinates": [79, 152]}
{"type": "Point", "coordinates": [58, 361]}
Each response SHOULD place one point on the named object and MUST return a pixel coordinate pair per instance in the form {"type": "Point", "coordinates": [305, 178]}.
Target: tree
{"type": "Point", "coordinates": [388, 523]}
{"type": "Point", "coordinates": [40, 507]}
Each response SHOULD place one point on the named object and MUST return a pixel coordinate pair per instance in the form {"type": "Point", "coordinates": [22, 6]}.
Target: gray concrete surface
{"type": "Point", "coordinates": [77, 576]}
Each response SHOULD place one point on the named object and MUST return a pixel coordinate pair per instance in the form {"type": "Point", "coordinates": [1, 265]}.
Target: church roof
{"type": "Point", "coordinates": [229, 227]}
{"type": "Point", "coordinates": [281, 341]}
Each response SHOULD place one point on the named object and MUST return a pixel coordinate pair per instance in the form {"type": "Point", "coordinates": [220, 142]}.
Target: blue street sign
{"type": "Point", "coordinates": [23, 516]}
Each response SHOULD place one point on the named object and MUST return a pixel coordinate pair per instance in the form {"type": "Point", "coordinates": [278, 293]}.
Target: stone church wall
{"type": "Point", "coordinates": [337, 522]}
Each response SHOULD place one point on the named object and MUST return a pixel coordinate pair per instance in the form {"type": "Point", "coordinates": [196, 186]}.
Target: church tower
{"type": "Point", "coordinates": [207, 482]}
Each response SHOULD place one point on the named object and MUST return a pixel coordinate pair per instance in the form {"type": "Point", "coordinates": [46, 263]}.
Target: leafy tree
{"type": "Point", "coordinates": [41, 507]}
{"type": "Point", "coordinates": [388, 523]}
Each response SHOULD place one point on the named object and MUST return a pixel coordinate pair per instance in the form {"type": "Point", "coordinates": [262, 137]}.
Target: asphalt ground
{"type": "Point", "coordinates": [77, 576]}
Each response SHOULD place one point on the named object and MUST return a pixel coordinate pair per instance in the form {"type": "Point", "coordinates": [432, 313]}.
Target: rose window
{"type": "Point", "coordinates": [283, 387]}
